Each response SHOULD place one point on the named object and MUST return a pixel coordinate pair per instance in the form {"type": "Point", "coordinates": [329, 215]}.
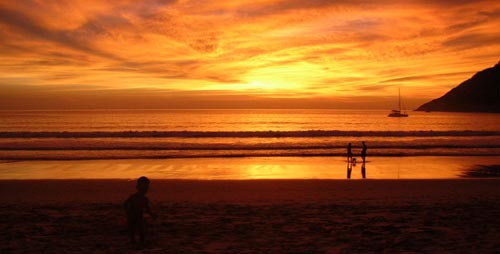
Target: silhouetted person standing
{"type": "Point", "coordinates": [135, 206]}
{"type": "Point", "coordinates": [363, 157]}
{"type": "Point", "coordinates": [363, 151]}
{"type": "Point", "coordinates": [349, 152]}
{"type": "Point", "coordinates": [349, 169]}
{"type": "Point", "coordinates": [349, 160]}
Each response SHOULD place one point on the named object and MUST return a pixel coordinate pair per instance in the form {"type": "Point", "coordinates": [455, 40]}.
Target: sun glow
{"type": "Point", "coordinates": [276, 49]}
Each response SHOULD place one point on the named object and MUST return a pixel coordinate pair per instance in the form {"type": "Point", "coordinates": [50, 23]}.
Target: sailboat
{"type": "Point", "coordinates": [397, 112]}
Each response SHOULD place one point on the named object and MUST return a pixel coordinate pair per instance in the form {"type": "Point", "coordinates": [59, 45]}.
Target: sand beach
{"type": "Point", "coordinates": [270, 127]}
{"type": "Point", "coordinates": [255, 216]}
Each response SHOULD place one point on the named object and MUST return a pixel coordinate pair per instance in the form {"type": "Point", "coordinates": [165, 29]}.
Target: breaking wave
{"type": "Point", "coordinates": [244, 134]}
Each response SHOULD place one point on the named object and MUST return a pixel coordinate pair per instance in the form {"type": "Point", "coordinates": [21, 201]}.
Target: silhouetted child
{"type": "Point", "coordinates": [135, 206]}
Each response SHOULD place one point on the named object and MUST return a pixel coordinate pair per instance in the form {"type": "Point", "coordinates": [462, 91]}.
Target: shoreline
{"type": "Point", "coordinates": [19, 158]}
{"type": "Point", "coordinates": [241, 168]}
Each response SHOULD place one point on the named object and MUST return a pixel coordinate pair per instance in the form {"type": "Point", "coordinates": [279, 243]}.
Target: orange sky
{"type": "Point", "coordinates": [240, 54]}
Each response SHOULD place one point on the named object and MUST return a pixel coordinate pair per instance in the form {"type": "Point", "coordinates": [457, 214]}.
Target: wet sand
{"type": "Point", "coordinates": [255, 216]}
{"type": "Point", "coordinates": [246, 168]}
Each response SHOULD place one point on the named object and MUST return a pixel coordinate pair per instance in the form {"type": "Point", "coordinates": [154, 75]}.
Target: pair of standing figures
{"type": "Point", "coordinates": [352, 161]}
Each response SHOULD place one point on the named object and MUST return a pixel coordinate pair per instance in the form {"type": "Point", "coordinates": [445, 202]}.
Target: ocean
{"type": "Point", "coordinates": [319, 137]}
{"type": "Point", "coordinates": [62, 135]}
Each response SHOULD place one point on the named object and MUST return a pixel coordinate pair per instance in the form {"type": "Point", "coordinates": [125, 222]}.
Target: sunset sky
{"type": "Point", "coordinates": [240, 53]}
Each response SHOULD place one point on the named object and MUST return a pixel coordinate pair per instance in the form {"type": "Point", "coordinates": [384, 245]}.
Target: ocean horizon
{"type": "Point", "coordinates": [228, 144]}
{"type": "Point", "coordinates": [156, 134]}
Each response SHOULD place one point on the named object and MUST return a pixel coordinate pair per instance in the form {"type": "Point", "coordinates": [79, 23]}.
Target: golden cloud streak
{"type": "Point", "coordinates": [272, 49]}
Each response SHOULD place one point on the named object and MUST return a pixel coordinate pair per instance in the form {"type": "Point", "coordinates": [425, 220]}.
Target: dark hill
{"type": "Point", "coordinates": [481, 93]}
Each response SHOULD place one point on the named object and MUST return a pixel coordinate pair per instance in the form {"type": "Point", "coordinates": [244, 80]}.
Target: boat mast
{"type": "Point", "coordinates": [399, 98]}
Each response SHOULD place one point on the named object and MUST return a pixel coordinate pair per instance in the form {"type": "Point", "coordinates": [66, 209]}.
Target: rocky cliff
{"type": "Point", "coordinates": [480, 93]}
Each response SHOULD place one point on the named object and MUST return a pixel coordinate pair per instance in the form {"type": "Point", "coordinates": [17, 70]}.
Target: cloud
{"type": "Point", "coordinates": [471, 41]}
{"type": "Point", "coordinates": [425, 77]}
{"type": "Point", "coordinates": [53, 97]}
{"type": "Point", "coordinates": [25, 24]}
{"type": "Point", "coordinates": [273, 48]}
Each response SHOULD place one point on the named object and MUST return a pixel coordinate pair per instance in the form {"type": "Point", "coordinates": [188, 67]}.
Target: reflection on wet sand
{"type": "Point", "coordinates": [247, 168]}
{"type": "Point", "coordinates": [352, 163]}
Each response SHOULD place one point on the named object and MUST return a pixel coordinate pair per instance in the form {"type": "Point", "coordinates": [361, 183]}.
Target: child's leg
{"type": "Point", "coordinates": [132, 224]}
{"type": "Point", "coordinates": [142, 229]}
{"type": "Point", "coordinates": [132, 235]}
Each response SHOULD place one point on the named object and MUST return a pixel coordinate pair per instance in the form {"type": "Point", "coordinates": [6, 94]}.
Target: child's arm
{"type": "Point", "coordinates": [126, 204]}
{"type": "Point", "coordinates": [148, 210]}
